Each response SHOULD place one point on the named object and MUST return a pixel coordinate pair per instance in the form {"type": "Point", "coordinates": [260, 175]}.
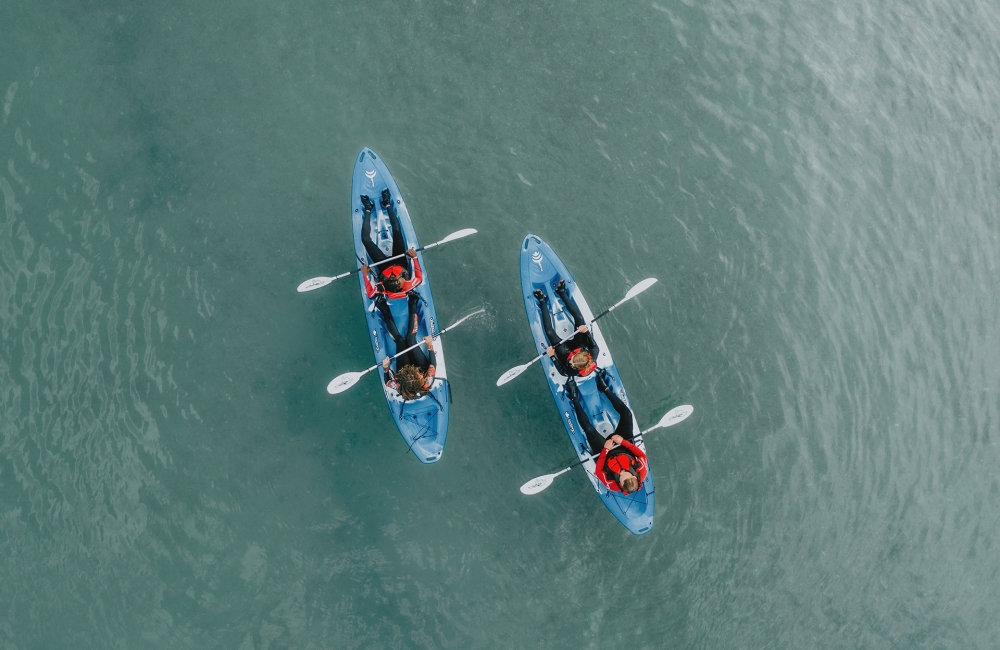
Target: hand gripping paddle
{"type": "Point", "coordinates": [672, 417]}
{"type": "Point", "coordinates": [321, 281]}
{"type": "Point", "coordinates": [348, 379]}
{"type": "Point", "coordinates": [632, 293]}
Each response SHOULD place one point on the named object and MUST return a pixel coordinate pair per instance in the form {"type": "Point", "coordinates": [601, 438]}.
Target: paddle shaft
{"type": "Point", "coordinates": [609, 309]}
{"type": "Point", "coordinates": [670, 418]}
{"type": "Point", "coordinates": [421, 342]}
{"type": "Point", "coordinates": [396, 257]}
{"type": "Point", "coordinates": [632, 293]}
{"type": "Point", "coordinates": [308, 285]}
{"type": "Point", "coordinates": [316, 283]}
{"type": "Point", "coordinates": [595, 456]}
{"type": "Point", "coordinates": [595, 319]}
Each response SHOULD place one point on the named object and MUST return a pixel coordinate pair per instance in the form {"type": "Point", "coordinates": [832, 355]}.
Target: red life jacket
{"type": "Point", "coordinates": [394, 270]}
{"type": "Point", "coordinates": [621, 460]}
{"type": "Point", "coordinates": [586, 370]}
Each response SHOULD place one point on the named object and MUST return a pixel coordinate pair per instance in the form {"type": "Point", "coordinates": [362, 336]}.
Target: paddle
{"type": "Point", "coordinates": [632, 293]}
{"type": "Point", "coordinates": [673, 416]}
{"type": "Point", "coordinates": [348, 379]}
{"type": "Point", "coordinates": [316, 283]}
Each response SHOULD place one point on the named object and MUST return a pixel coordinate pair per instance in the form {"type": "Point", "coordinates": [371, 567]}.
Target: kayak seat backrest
{"type": "Point", "coordinates": [602, 414]}
{"type": "Point", "coordinates": [563, 323]}
{"type": "Point", "coordinates": [603, 424]}
{"type": "Point", "coordinates": [384, 232]}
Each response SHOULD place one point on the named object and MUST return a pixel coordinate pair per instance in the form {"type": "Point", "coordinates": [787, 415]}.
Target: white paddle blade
{"type": "Point", "coordinates": [536, 485]}
{"type": "Point", "coordinates": [676, 414]}
{"type": "Point", "coordinates": [672, 417]}
{"type": "Point", "coordinates": [458, 234]}
{"type": "Point", "coordinates": [639, 288]}
{"type": "Point", "coordinates": [343, 382]}
{"type": "Point", "coordinates": [462, 320]}
{"type": "Point", "coordinates": [314, 283]}
{"type": "Point", "coordinates": [510, 374]}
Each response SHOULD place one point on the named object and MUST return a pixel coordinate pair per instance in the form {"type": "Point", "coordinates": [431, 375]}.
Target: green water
{"type": "Point", "coordinates": [814, 184]}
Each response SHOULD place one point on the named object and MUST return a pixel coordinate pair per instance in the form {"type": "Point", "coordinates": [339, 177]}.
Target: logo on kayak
{"type": "Point", "coordinates": [536, 257]}
{"type": "Point", "coordinates": [371, 176]}
{"type": "Point", "coordinates": [569, 421]}
{"type": "Point", "coordinates": [375, 338]}
{"type": "Point", "coordinates": [433, 326]}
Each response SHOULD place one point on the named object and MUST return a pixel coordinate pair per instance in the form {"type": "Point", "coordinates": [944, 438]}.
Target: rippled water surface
{"type": "Point", "coordinates": [814, 184]}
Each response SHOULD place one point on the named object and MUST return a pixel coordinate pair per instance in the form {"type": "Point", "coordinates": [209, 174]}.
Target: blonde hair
{"type": "Point", "coordinates": [580, 359]}
{"type": "Point", "coordinates": [411, 381]}
{"type": "Point", "coordinates": [630, 483]}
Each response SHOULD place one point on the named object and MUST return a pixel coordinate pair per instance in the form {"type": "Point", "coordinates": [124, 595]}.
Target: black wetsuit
{"type": "Point", "coordinates": [594, 438]}
{"type": "Point", "coordinates": [398, 241]}
{"type": "Point", "coordinates": [579, 340]}
{"type": "Point", "coordinates": [415, 357]}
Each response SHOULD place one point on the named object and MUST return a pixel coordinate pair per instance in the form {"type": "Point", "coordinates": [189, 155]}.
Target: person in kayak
{"type": "Point", "coordinates": [577, 356]}
{"type": "Point", "coordinates": [414, 369]}
{"type": "Point", "coordinates": [622, 466]}
{"type": "Point", "coordinates": [393, 280]}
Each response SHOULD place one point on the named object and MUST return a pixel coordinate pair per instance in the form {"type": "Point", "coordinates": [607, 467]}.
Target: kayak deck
{"type": "Point", "coordinates": [542, 269]}
{"type": "Point", "coordinates": [422, 422]}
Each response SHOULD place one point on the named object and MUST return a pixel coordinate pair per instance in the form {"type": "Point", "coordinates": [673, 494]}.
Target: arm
{"type": "Point", "coordinates": [638, 453]}
{"type": "Point", "coordinates": [418, 274]}
{"type": "Point", "coordinates": [369, 289]}
{"type": "Point", "coordinates": [608, 446]}
{"type": "Point", "coordinates": [431, 357]}
{"type": "Point", "coordinates": [599, 467]}
{"type": "Point", "coordinates": [639, 456]}
{"type": "Point", "coordinates": [387, 375]}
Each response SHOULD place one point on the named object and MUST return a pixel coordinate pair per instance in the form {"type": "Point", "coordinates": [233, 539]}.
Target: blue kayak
{"type": "Point", "coordinates": [542, 269]}
{"type": "Point", "coordinates": [422, 422]}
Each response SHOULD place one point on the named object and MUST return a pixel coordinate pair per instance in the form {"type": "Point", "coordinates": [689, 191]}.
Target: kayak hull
{"type": "Point", "coordinates": [422, 422]}
{"type": "Point", "coordinates": [542, 269]}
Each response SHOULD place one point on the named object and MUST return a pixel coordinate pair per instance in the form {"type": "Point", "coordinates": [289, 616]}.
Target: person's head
{"type": "Point", "coordinates": [580, 360]}
{"type": "Point", "coordinates": [393, 280]}
{"type": "Point", "coordinates": [628, 482]}
{"type": "Point", "coordinates": [411, 381]}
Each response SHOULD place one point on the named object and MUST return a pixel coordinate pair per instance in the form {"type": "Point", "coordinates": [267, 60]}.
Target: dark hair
{"type": "Point", "coordinates": [411, 381]}
{"type": "Point", "coordinates": [393, 282]}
